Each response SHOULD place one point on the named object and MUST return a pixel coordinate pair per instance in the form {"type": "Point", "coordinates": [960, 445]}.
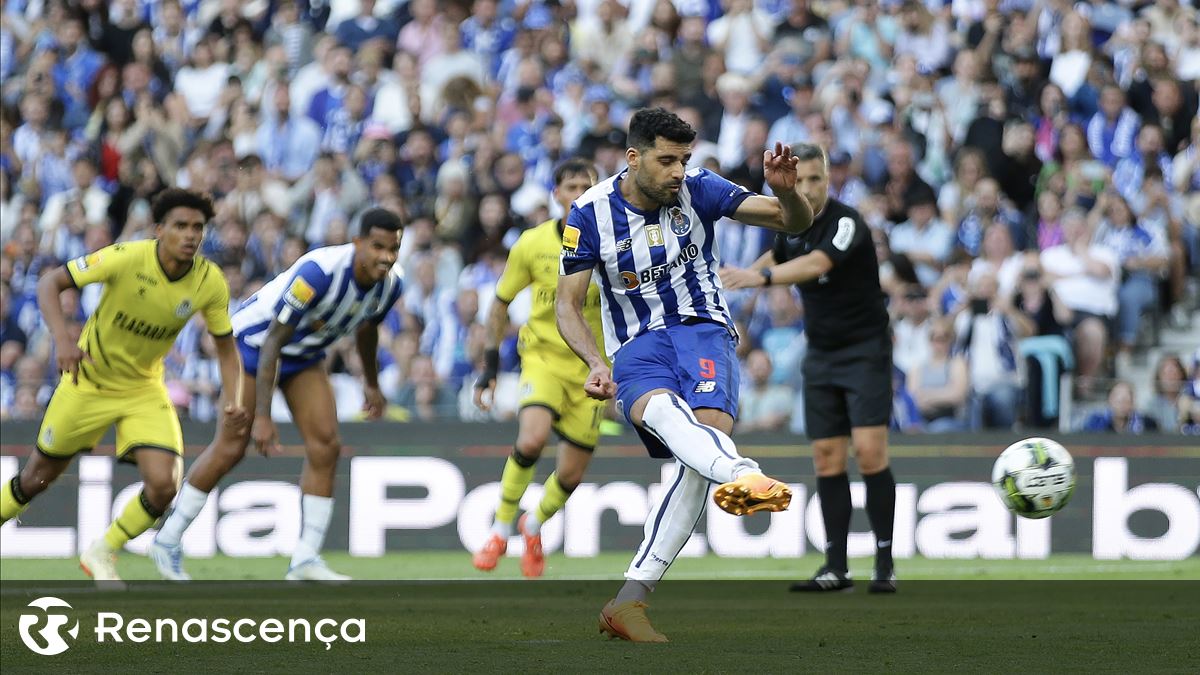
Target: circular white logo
{"type": "Point", "coordinates": [51, 642]}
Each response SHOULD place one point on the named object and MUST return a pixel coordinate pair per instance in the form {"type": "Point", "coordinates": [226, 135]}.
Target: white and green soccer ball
{"type": "Point", "coordinates": [1034, 477]}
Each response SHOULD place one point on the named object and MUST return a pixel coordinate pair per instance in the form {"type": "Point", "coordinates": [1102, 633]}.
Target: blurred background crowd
{"type": "Point", "coordinates": [1030, 170]}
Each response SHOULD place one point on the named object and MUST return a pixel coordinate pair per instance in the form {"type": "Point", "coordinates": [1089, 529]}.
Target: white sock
{"type": "Point", "coordinates": [188, 505]}
{"type": "Point", "coordinates": [706, 449]}
{"type": "Point", "coordinates": [669, 525]}
{"type": "Point", "coordinates": [505, 530]}
{"type": "Point", "coordinates": [532, 524]}
{"type": "Point", "coordinates": [316, 514]}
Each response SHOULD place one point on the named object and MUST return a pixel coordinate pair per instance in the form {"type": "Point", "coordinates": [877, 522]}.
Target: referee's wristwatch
{"type": "Point", "coordinates": [766, 275]}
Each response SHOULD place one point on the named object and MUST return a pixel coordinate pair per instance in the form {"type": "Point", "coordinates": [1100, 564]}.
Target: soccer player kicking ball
{"type": "Point", "coordinates": [647, 233]}
{"type": "Point", "coordinates": [282, 332]}
{"type": "Point", "coordinates": [552, 377]}
{"type": "Point", "coordinates": [113, 374]}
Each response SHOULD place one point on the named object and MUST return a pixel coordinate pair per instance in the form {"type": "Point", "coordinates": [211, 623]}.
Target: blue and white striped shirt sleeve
{"type": "Point", "coordinates": [581, 241]}
{"type": "Point", "coordinates": [306, 288]}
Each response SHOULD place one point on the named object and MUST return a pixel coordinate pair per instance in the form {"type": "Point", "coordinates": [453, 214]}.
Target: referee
{"type": "Point", "coordinates": [848, 367]}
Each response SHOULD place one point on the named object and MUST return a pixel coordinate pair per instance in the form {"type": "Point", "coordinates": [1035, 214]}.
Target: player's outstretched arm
{"type": "Point", "coordinates": [68, 354]}
{"type": "Point", "coordinates": [263, 431]}
{"type": "Point", "coordinates": [497, 323]}
{"type": "Point", "coordinates": [366, 339]}
{"type": "Point", "coordinates": [230, 363]}
{"type": "Point", "coordinates": [788, 211]}
{"type": "Point", "coordinates": [568, 309]}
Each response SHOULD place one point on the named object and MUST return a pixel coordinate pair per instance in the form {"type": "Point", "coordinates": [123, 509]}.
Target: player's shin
{"type": "Point", "coordinates": [668, 527]}
{"type": "Point", "coordinates": [13, 501]}
{"type": "Point", "coordinates": [881, 511]}
{"type": "Point", "coordinates": [706, 449]}
{"type": "Point", "coordinates": [554, 497]}
{"type": "Point", "coordinates": [137, 517]}
{"type": "Point", "coordinates": [518, 473]}
{"type": "Point", "coordinates": [316, 514]}
{"type": "Point", "coordinates": [188, 505]}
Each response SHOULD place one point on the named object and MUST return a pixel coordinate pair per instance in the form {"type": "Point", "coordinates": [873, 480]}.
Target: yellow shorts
{"type": "Point", "coordinates": [576, 415]}
{"type": "Point", "coordinates": [78, 416]}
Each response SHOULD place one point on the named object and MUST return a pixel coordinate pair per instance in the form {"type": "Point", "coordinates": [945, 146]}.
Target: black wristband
{"type": "Point", "coordinates": [766, 275]}
{"type": "Point", "coordinates": [491, 366]}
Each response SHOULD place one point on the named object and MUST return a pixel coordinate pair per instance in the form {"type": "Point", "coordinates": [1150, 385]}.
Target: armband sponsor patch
{"type": "Point", "coordinates": [844, 235]}
{"type": "Point", "coordinates": [84, 262]}
{"type": "Point", "coordinates": [570, 238]}
{"type": "Point", "coordinates": [299, 294]}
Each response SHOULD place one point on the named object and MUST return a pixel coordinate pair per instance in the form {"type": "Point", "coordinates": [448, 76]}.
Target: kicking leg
{"type": "Point", "coordinates": [161, 470]}
{"type": "Point", "coordinates": [310, 398]}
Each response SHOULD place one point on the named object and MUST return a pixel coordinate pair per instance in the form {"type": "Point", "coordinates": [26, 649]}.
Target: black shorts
{"type": "Point", "coordinates": [848, 387]}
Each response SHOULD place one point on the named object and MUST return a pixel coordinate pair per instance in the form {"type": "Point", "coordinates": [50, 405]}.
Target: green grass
{"type": "Point", "coordinates": [446, 565]}
{"type": "Point", "coordinates": [524, 627]}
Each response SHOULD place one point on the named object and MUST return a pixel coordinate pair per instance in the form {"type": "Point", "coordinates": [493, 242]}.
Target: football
{"type": "Point", "coordinates": [1034, 477]}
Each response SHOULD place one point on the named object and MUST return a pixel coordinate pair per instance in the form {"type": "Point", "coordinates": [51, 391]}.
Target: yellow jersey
{"type": "Point", "coordinates": [533, 261]}
{"type": "Point", "coordinates": [141, 311]}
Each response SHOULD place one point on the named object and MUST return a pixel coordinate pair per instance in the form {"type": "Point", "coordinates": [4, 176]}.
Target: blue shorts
{"type": "Point", "coordinates": [287, 366]}
{"type": "Point", "coordinates": [696, 360]}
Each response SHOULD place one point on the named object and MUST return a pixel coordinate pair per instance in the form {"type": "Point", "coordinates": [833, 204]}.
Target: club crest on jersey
{"type": "Point", "coordinates": [679, 222]}
{"type": "Point", "coordinates": [630, 280]}
{"type": "Point", "coordinates": [184, 310]}
{"type": "Point", "coordinates": [654, 235]}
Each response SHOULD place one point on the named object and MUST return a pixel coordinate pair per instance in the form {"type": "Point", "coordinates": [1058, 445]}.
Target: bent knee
{"type": "Point", "coordinates": [530, 444]}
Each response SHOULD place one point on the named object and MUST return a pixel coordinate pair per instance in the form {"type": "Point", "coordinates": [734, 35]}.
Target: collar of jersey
{"type": "Point", "coordinates": [625, 202]}
{"type": "Point", "coordinates": [162, 269]}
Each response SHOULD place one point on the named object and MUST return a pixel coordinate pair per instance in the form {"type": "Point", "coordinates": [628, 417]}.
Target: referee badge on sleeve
{"type": "Point", "coordinates": [845, 234]}
{"type": "Point", "coordinates": [299, 294]}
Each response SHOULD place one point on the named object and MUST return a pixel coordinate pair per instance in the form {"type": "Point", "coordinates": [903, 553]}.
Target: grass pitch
{"type": "Point", "coordinates": [714, 626]}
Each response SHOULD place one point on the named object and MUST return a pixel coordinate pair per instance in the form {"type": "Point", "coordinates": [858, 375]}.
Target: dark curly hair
{"type": "Point", "coordinates": [650, 123]}
{"type": "Point", "coordinates": [173, 198]}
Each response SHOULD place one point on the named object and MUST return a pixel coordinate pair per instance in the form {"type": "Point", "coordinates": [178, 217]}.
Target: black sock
{"type": "Point", "coordinates": [835, 510]}
{"type": "Point", "coordinates": [881, 511]}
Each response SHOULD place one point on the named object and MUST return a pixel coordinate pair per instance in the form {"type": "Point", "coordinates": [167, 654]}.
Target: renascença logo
{"type": "Point", "coordinates": [52, 641]}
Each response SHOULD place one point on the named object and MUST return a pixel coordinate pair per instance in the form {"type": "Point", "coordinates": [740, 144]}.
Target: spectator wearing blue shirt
{"type": "Point", "coordinates": [327, 102]}
{"type": "Point", "coordinates": [352, 33]}
{"type": "Point", "coordinates": [1112, 130]}
{"type": "Point", "coordinates": [287, 144]}
{"type": "Point", "coordinates": [1143, 258]}
{"type": "Point", "coordinates": [487, 35]}
{"type": "Point", "coordinates": [1120, 416]}
{"type": "Point", "coordinates": [74, 72]}
{"type": "Point", "coordinates": [1131, 171]}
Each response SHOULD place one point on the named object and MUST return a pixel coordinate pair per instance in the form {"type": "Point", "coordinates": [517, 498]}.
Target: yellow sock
{"type": "Point", "coordinates": [136, 518]}
{"type": "Point", "coordinates": [518, 472]}
{"type": "Point", "coordinates": [553, 499]}
{"type": "Point", "coordinates": [10, 506]}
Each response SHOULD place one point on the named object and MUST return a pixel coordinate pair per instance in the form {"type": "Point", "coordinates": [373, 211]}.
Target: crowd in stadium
{"type": "Point", "coordinates": [1028, 168]}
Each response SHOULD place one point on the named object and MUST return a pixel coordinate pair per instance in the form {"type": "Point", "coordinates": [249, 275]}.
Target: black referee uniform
{"type": "Point", "coordinates": [847, 372]}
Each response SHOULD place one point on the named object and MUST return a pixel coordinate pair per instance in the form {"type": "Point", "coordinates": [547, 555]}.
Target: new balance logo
{"type": "Point", "coordinates": [706, 387]}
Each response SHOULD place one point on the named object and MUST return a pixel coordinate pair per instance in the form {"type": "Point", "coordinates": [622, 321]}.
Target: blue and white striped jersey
{"type": "Point", "coordinates": [317, 295]}
{"type": "Point", "coordinates": [654, 269]}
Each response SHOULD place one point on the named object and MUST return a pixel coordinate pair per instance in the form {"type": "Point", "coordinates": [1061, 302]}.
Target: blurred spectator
{"type": "Point", "coordinates": [988, 330]}
{"type": "Point", "coordinates": [940, 384]}
{"type": "Point", "coordinates": [923, 237]}
{"type": "Point", "coordinates": [1143, 259]}
{"type": "Point", "coordinates": [911, 327]}
{"type": "Point", "coordinates": [764, 406]}
{"type": "Point", "coordinates": [1112, 130]}
{"type": "Point", "coordinates": [1170, 385]}
{"type": "Point", "coordinates": [288, 144]}
{"type": "Point", "coordinates": [1120, 416]}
